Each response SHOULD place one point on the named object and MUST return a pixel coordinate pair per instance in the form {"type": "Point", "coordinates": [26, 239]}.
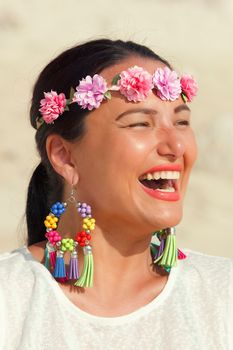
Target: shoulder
{"type": "Point", "coordinates": [18, 272]}
{"type": "Point", "coordinates": [24, 258]}
{"type": "Point", "coordinates": [23, 281]}
{"type": "Point", "coordinates": [209, 264]}
{"type": "Point", "coordinates": [208, 274]}
{"type": "Point", "coordinates": [23, 285]}
{"type": "Point", "coordinates": [14, 262]}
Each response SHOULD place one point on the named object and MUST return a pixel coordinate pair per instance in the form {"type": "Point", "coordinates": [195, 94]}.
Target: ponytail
{"type": "Point", "coordinates": [39, 201]}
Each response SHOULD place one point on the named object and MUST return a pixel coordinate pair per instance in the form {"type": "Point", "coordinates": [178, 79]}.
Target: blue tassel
{"type": "Point", "coordinates": [60, 270]}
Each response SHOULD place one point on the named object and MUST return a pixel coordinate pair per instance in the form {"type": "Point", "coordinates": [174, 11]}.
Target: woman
{"type": "Point", "coordinates": [116, 146]}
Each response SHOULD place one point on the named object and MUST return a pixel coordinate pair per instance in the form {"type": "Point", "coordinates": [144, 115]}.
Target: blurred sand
{"type": "Point", "coordinates": [196, 36]}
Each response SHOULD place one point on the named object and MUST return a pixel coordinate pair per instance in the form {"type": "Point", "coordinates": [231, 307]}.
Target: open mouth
{"type": "Point", "coordinates": [164, 181]}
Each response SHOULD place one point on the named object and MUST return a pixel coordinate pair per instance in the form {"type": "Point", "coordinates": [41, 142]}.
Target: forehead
{"type": "Point", "coordinates": [148, 64]}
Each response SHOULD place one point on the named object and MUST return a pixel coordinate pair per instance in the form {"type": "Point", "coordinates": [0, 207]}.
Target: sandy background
{"type": "Point", "coordinates": [196, 36]}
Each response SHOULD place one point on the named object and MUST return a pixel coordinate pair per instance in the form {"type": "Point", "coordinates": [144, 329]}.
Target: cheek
{"type": "Point", "coordinates": [191, 149]}
{"type": "Point", "coordinates": [122, 152]}
{"type": "Point", "coordinates": [109, 164]}
{"type": "Point", "coordinates": [130, 149]}
{"type": "Point", "coordinates": [189, 159]}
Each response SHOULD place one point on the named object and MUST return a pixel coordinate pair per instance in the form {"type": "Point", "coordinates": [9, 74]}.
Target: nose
{"type": "Point", "coordinates": [170, 145]}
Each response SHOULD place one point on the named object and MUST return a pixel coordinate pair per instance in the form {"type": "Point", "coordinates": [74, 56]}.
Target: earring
{"type": "Point", "coordinates": [57, 246]}
{"type": "Point", "coordinates": [166, 254]}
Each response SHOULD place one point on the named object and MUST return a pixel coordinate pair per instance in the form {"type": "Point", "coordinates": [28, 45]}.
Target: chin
{"type": "Point", "coordinates": [169, 216]}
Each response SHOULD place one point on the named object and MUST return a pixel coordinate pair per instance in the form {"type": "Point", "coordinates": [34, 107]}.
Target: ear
{"type": "Point", "coordinates": [59, 155]}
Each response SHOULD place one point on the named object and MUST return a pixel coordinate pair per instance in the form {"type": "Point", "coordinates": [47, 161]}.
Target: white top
{"type": "Point", "coordinates": [193, 312]}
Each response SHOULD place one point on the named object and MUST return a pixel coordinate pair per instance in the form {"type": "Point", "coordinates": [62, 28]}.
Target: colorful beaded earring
{"type": "Point", "coordinates": [57, 246]}
{"type": "Point", "coordinates": [166, 254]}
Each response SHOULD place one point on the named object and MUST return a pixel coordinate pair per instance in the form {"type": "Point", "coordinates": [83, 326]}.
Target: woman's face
{"type": "Point", "coordinates": [125, 145]}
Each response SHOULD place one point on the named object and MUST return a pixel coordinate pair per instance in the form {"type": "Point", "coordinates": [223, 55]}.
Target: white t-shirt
{"type": "Point", "coordinates": [193, 312]}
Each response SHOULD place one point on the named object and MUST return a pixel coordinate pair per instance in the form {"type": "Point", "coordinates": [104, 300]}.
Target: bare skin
{"type": "Point", "coordinates": [104, 167]}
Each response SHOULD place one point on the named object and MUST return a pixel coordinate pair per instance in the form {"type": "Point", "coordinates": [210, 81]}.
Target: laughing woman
{"type": "Point", "coordinates": [113, 132]}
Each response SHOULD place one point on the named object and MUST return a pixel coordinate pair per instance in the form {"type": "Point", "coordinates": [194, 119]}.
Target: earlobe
{"type": "Point", "coordinates": [59, 155]}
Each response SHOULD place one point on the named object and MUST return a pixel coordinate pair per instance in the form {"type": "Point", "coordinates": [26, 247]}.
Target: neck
{"type": "Point", "coordinates": [120, 257]}
{"type": "Point", "coordinates": [121, 252]}
{"type": "Point", "coordinates": [123, 270]}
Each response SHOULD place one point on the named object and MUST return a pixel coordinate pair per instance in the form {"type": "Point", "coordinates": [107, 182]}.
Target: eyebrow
{"type": "Point", "coordinates": [150, 111]}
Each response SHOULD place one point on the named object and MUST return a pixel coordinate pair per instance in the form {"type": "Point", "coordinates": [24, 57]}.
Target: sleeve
{"type": "Point", "coordinates": [3, 321]}
{"type": "Point", "coordinates": [16, 285]}
{"type": "Point", "coordinates": [230, 307]}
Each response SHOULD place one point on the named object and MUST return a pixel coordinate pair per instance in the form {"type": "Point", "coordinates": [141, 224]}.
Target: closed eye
{"type": "Point", "coordinates": [139, 124]}
{"type": "Point", "coordinates": [183, 122]}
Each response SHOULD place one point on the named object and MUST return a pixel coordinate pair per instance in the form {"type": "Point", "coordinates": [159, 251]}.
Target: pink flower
{"type": "Point", "coordinates": [189, 86]}
{"type": "Point", "coordinates": [90, 92]}
{"type": "Point", "coordinates": [167, 83]}
{"type": "Point", "coordinates": [135, 83]}
{"type": "Point", "coordinates": [52, 106]}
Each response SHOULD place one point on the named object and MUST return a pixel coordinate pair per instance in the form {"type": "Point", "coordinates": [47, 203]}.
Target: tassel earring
{"type": "Point", "coordinates": [166, 254]}
{"type": "Point", "coordinates": [57, 247]}
{"type": "Point", "coordinates": [83, 238]}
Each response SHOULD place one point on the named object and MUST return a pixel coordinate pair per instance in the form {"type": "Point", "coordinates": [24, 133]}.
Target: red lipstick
{"type": "Point", "coordinates": [162, 195]}
{"type": "Point", "coordinates": [165, 167]}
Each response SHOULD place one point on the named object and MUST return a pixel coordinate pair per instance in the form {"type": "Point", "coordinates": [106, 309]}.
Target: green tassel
{"type": "Point", "coordinates": [47, 260]}
{"type": "Point", "coordinates": [86, 278]}
{"type": "Point", "coordinates": [169, 257]}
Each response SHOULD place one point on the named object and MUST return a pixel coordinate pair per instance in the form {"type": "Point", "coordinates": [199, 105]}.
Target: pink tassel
{"type": "Point", "coordinates": [52, 259]}
{"type": "Point", "coordinates": [62, 279]}
{"type": "Point", "coordinates": [181, 255]}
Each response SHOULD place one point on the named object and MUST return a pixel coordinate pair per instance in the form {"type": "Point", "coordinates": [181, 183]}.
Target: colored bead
{"type": "Point", "coordinates": [84, 209]}
{"type": "Point", "coordinates": [51, 221]}
{"type": "Point", "coordinates": [67, 244]}
{"type": "Point", "coordinates": [89, 224]}
{"type": "Point", "coordinates": [83, 238]}
{"type": "Point", "coordinates": [58, 209]}
{"type": "Point", "coordinates": [46, 223]}
{"type": "Point", "coordinates": [53, 237]}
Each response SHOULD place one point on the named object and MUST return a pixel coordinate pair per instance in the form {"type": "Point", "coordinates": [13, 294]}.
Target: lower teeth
{"type": "Point", "coordinates": [169, 189]}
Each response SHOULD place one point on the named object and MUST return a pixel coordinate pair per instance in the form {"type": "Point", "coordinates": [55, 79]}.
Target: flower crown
{"type": "Point", "coordinates": [135, 84]}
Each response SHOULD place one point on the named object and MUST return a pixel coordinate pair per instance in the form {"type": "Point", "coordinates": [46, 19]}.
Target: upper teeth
{"type": "Point", "coordinates": [170, 175]}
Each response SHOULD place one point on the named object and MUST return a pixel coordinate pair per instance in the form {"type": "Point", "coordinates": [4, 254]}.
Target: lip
{"type": "Point", "coordinates": [165, 196]}
{"type": "Point", "coordinates": [164, 167]}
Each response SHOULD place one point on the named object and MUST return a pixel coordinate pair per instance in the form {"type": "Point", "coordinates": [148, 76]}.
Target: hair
{"type": "Point", "coordinates": [62, 73]}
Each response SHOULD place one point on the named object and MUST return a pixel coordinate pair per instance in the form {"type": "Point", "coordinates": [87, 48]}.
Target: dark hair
{"type": "Point", "coordinates": [60, 75]}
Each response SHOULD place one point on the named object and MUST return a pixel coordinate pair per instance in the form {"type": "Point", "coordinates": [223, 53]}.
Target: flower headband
{"type": "Point", "coordinates": [135, 84]}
